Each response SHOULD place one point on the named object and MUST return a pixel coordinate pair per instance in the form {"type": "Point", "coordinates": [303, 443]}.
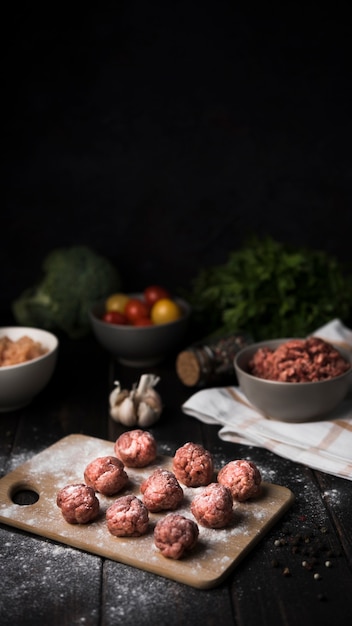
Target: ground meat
{"type": "Point", "coordinates": [161, 491]}
{"type": "Point", "coordinates": [242, 478]}
{"type": "Point", "coordinates": [136, 448]}
{"type": "Point", "coordinates": [19, 351]}
{"type": "Point", "coordinates": [299, 360]}
{"type": "Point", "coordinates": [127, 517]}
{"type": "Point", "coordinates": [175, 534]}
{"type": "Point", "coordinates": [78, 504]}
{"type": "Point", "coordinates": [193, 465]}
{"type": "Point", "coordinates": [213, 507]}
{"type": "Point", "coordinates": [106, 475]}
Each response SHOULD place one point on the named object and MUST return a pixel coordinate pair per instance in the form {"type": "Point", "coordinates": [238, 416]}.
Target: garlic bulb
{"type": "Point", "coordinates": [142, 406]}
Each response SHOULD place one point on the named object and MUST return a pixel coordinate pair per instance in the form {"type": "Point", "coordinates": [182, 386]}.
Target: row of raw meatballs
{"type": "Point", "coordinates": [192, 466]}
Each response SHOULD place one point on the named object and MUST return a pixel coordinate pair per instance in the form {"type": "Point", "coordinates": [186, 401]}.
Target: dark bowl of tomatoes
{"type": "Point", "coordinates": [139, 330]}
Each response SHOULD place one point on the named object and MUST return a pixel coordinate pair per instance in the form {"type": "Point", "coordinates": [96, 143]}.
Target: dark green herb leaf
{"type": "Point", "coordinates": [272, 290]}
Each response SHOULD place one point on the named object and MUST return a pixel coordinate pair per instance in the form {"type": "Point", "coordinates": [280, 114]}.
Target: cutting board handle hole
{"type": "Point", "coordinates": [23, 495]}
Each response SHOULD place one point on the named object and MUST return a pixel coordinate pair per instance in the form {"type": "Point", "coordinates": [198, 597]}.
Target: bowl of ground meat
{"type": "Point", "coordinates": [28, 358]}
{"type": "Point", "coordinates": [294, 379]}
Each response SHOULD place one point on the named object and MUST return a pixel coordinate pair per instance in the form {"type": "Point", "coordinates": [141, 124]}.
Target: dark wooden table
{"type": "Point", "coordinates": [43, 582]}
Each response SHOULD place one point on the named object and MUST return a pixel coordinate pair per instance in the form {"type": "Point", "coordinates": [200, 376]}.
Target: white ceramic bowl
{"type": "Point", "coordinates": [291, 402]}
{"type": "Point", "coordinates": [19, 384]}
{"type": "Point", "coordinates": [140, 346]}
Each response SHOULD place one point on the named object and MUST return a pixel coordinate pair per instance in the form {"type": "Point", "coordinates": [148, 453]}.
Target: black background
{"type": "Point", "coordinates": [163, 133]}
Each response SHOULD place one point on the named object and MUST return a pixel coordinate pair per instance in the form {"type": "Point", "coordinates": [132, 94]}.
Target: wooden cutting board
{"type": "Point", "coordinates": [217, 551]}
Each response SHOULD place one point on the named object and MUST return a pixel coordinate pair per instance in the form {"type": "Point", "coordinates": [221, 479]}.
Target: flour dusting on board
{"type": "Point", "coordinates": [216, 552]}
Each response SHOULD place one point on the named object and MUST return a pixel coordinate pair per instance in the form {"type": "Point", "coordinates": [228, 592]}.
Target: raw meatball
{"type": "Point", "coordinates": [213, 507]}
{"type": "Point", "coordinates": [78, 504]}
{"type": "Point", "coordinates": [161, 491]}
{"type": "Point", "coordinates": [127, 517]}
{"type": "Point", "coordinates": [175, 534]}
{"type": "Point", "coordinates": [193, 465]}
{"type": "Point", "coordinates": [136, 448]}
{"type": "Point", "coordinates": [106, 474]}
{"type": "Point", "coordinates": [242, 478]}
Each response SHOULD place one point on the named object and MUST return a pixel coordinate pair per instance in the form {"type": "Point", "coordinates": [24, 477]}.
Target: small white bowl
{"type": "Point", "coordinates": [139, 346]}
{"type": "Point", "coordinates": [291, 402]}
{"type": "Point", "coordinates": [19, 384]}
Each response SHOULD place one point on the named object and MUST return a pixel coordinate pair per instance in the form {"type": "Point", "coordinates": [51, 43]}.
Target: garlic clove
{"type": "Point", "coordinates": [146, 415]}
{"type": "Point", "coordinates": [125, 412]}
{"type": "Point", "coordinates": [113, 397]}
{"type": "Point", "coordinates": [153, 399]}
{"type": "Point", "coordinates": [122, 407]}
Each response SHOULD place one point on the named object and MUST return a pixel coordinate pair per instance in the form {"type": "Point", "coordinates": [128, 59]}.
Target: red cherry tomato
{"type": "Point", "coordinates": [143, 321]}
{"type": "Point", "coordinates": [135, 309]}
{"type": "Point", "coordinates": [114, 317]}
{"type": "Point", "coordinates": [153, 293]}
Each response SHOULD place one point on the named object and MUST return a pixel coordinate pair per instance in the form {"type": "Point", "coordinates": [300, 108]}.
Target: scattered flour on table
{"type": "Point", "coordinates": [332, 495]}
{"type": "Point", "coordinates": [35, 564]}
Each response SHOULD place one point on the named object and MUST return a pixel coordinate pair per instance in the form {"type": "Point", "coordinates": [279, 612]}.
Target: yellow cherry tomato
{"type": "Point", "coordinates": [165, 311]}
{"type": "Point", "coordinates": [116, 302]}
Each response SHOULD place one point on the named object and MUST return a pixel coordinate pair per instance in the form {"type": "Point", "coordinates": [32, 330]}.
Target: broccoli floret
{"type": "Point", "coordinates": [73, 279]}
